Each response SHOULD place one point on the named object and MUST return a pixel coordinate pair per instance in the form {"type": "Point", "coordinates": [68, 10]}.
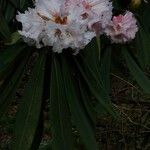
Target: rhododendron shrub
{"type": "Point", "coordinates": [66, 63]}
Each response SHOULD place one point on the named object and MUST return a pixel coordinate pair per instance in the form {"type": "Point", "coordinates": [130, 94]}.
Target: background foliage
{"type": "Point", "coordinates": [76, 91]}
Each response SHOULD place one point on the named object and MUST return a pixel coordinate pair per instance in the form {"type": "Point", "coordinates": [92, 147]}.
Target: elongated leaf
{"type": "Point", "coordinates": [22, 2]}
{"type": "Point", "coordinates": [105, 69]}
{"type": "Point", "coordinates": [60, 116]}
{"type": "Point", "coordinates": [92, 51]}
{"type": "Point", "coordinates": [30, 108]}
{"type": "Point", "coordinates": [78, 113]}
{"type": "Point", "coordinates": [87, 104]}
{"type": "Point", "coordinates": [143, 46]}
{"type": "Point", "coordinates": [46, 147]}
{"type": "Point", "coordinates": [9, 12]}
{"type": "Point", "coordinates": [3, 5]}
{"type": "Point", "coordinates": [97, 89]}
{"type": "Point", "coordinates": [19, 4]}
{"type": "Point", "coordinates": [137, 73]}
{"type": "Point", "coordinates": [10, 53]}
{"type": "Point", "coordinates": [90, 68]}
{"type": "Point", "coordinates": [9, 89]}
{"type": "Point", "coordinates": [13, 3]}
{"type": "Point", "coordinates": [8, 56]}
{"type": "Point", "coordinates": [92, 63]}
{"type": "Point", "coordinates": [39, 132]}
{"type": "Point", "coordinates": [4, 29]}
{"type": "Point", "coordinates": [13, 38]}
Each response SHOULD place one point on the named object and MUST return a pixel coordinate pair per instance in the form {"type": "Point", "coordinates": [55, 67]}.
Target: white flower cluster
{"type": "Point", "coordinates": [65, 24]}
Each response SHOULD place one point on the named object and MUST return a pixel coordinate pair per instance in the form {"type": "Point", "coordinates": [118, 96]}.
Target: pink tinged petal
{"type": "Point", "coordinates": [123, 28]}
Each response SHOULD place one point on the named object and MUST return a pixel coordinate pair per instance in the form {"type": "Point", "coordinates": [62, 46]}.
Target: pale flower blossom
{"type": "Point", "coordinates": [52, 23]}
{"type": "Point", "coordinates": [32, 27]}
{"type": "Point", "coordinates": [123, 28]}
{"type": "Point", "coordinates": [97, 12]}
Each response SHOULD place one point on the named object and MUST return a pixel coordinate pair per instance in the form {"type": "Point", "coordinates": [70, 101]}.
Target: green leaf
{"type": "Point", "coordinates": [29, 110]}
{"type": "Point", "coordinates": [9, 89]}
{"type": "Point", "coordinates": [90, 68]}
{"type": "Point", "coordinates": [3, 4]}
{"type": "Point", "coordinates": [19, 3]}
{"type": "Point", "coordinates": [47, 146]}
{"type": "Point", "coordinates": [8, 57]}
{"type": "Point", "coordinates": [77, 111]}
{"type": "Point", "coordinates": [15, 3]}
{"type": "Point", "coordinates": [39, 131]}
{"type": "Point", "coordinates": [95, 84]}
{"type": "Point", "coordinates": [59, 111]}
{"type": "Point", "coordinates": [105, 68]}
{"type": "Point", "coordinates": [4, 29]}
{"type": "Point", "coordinates": [14, 38]}
{"type": "Point", "coordinates": [22, 3]}
{"type": "Point", "coordinates": [137, 73]}
{"type": "Point", "coordinates": [9, 54]}
{"type": "Point", "coordinates": [143, 46]}
{"type": "Point", "coordinates": [9, 12]}
{"type": "Point", "coordinates": [92, 51]}
{"type": "Point", "coordinates": [87, 103]}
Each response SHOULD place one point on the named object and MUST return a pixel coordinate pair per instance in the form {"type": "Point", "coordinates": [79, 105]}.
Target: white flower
{"type": "Point", "coordinates": [122, 28]}
{"type": "Point", "coordinates": [53, 23]}
{"type": "Point", "coordinates": [32, 27]}
{"type": "Point", "coordinates": [97, 12]}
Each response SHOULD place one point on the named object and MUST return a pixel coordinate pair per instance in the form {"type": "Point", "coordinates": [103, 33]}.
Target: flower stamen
{"type": "Point", "coordinates": [43, 17]}
{"type": "Point", "coordinates": [57, 33]}
{"type": "Point", "coordinates": [60, 20]}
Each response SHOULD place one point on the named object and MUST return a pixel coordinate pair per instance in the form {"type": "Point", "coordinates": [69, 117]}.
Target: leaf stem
{"type": "Point", "coordinates": [99, 47]}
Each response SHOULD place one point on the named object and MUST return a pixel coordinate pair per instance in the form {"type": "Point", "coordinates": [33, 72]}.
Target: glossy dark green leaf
{"type": "Point", "coordinates": [4, 29]}
{"type": "Point", "coordinates": [91, 70]}
{"type": "Point", "coordinates": [15, 3]}
{"type": "Point", "coordinates": [8, 57]}
{"type": "Point", "coordinates": [59, 111]}
{"type": "Point", "coordinates": [9, 12]}
{"type": "Point", "coordinates": [8, 92]}
{"type": "Point", "coordinates": [14, 38]}
{"type": "Point", "coordinates": [143, 46]}
{"type": "Point", "coordinates": [39, 131]}
{"type": "Point", "coordinates": [105, 68]}
{"type": "Point", "coordinates": [30, 108]}
{"type": "Point", "coordinates": [94, 81]}
{"type": "Point", "coordinates": [78, 113]}
{"type": "Point", "coordinates": [3, 5]}
{"type": "Point", "coordinates": [136, 72]}
{"type": "Point", "coordinates": [46, 147]}
{"type": "Point", "coordinates": [87, 103]}
{"type": "Point", "coordinates": [22, 3]}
